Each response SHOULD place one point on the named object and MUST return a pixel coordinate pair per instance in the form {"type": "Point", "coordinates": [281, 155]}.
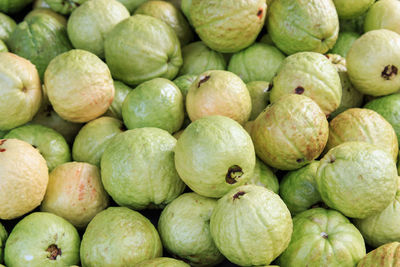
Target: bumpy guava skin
{"type": "Point", "coordinates": [386, 255]}
{"type": "Point", "coordinates": [383, 14]}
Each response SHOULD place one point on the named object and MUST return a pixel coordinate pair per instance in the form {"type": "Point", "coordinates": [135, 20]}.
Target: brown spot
{"type": "Point", "coordinates": [360, 177]}
{"type": "Point", "coordinates": [327, 56]}
{"type": "Point", "coordinates": [299, 90]}
{"type": "Point", "coordinates": [2, 141]}
{"type": "Point", "coordinates": [324, 235]}
{"type": "Point", "coordinates": [54, 252]}
{"type": "Point", "coordinates": [2, 149]}
{"type": "Point", "coordinates": [24, 89]}
{"type": "Point", "coordinates": [238, 195]}
{"type": "Point", "coordinates": [299, 160]}
{"type": "Point", "coordinates": [260, 13]}
{"type": "Point", "coordinates": [332, 159]}
{"type": "Point", "coordinates": [34, 146]}
{"type": "Point", "coordinates": [389, 72]}
{"type": "Point", "coordinates": [234, 173]}
{"type": "Point", "coordinates": [203, 80]}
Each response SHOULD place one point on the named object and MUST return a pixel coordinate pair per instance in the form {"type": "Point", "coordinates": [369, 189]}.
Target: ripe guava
{"type": "Point", "coordinates": [383, 14]}
{"type": "Point", "coordinates": [385, 256]}
{"type": "Point", "coordinates": [264, 176]}
{"type": "Point", "coordinates": [349, 9]}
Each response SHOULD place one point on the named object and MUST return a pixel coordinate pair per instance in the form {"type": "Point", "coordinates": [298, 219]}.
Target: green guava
{"type": "Point", "coordinates": [383, 14]}
{"type": "Point", "coordinates": [13, 6]}
{"type": "Point", "coordinates": [131, 5]}
{"type": "Point", "coordinates": [344, 43]}
{"type": "Point", "coordinates": [258, 62]}
{"type": "Point", "coordinates": [42, 239]}
{"type": "Point", "coordinates": [266, 39]}
{"type": "Point", "coordinates": [373, 63]}
{"type": "Point", "coordinates": [297, 26]}
{"type": "Point", "coordinates": [259, 93]}
{"type": "Point", "coordinates": [120, 92]}
{"type": "Point", "coordinates": [350, 9]}
{"type": "Point", "coordinates": [198, 58]}
{"type": "Point", "coordinates": [40, 4]}
{"type": "Point", "coordinates": [385, 256]}
{"type": "Point", "coordinates": [162, 262]}
{"type": "Point", "coordinates": [176, 3]}
{"type": "Point", "coordinates": [310, 74]}
{"type": "Point", "coordinates": [228, 26]}
{"type": "Point", "coordinates": [64, 7]}
{"type": "Point", "coordinates": [138, 170]}
{"type": "Point", "coordinates": [134, 54]}
{"type": "Point", "coordinates": [7, 25]}
{"type": "Point", "coordinates": [3, 238]}
{"type": "Point", "coordinates": [213, 155]}
{"type": "Point", "coordinates": [251, 225]}
{"type": "Point", "coordinates": [264, 176]}
{"type": "Point", "coordinates": [93, 138]}
{"type": "Point", "coordinates": [50, 143]}
{"type": "Point", "coordinates": [3, 46]}
{"type": "Point", "coordinates": [290, 133]}
{"type": "Point", "coordinates": [184, 228]}
{"type": "Point", "coordinates": [185, 7]}
{"type": "Point", "coordinates": [119, 236]}
{"type": "Point", "coordinates": [323, 238]}
{"type": "Point", "coordinates": [352, 25]}
{"type": "Point", "coordinates": [357, 172]}
{"type": "Point", "coordinates": [155, 103]}
{"type": "Point", "coordinates": [46, 12]}
{"type": "Point", "coordinates": [184, 82]}
{"type": "Point", "coordinates": [79, 85]}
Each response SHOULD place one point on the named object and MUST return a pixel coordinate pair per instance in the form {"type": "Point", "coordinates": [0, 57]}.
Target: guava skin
{"type": "Point", "coordinates": [42, 239]}
{"type": "Point", "coordinates": [3, 238]}
{"type": "Point", "coordinates": [46, 12]}
{"type": "Point", "coordinates": [323, 237]}
{"type": "Point", "coordinates": [120, 93]}
{"type": "Point", "coordinates": [263, 176]}
{"type": "Point", "coordinates": [344, 43]}
{"type": "Point", "coordinates": [350, 9]}
{"type": "Point", "coordinates": [214, 155]}
{"type": "Point", "coordinates": [296, 27]}
{"type": "Point", "coordinates": [64, 7]}
{"type": "Point", "coordinates": [383, 14]}
{"type": "Point", "coordinates": [185, 7]}
{"type": "Point", "coordinates": [7, 25]}
{"type": "Point", "coordinates": [3, 47]}
{"type": "Point", "coordinates": [131, 5]}
{"type": "Point", "coordinates": [259, 93]}
{"type": "Point", "coordinates": [357, 172]}
{"type": "Point", "coordinates": [385, 256]}
{"type": "Point", "coordinates": [13, 6]}
{"type": "Point", "coordinates": [353, 25]}
{"type": "Point", "coordinates": [40, 4]}
{"type": "Point", "coordinates": [184, 82]}
{"type": "Point", "coordinates": [119, 236]}
{"type": "Point", "coordinates": [251, 225]}
{"type": "Point", "coordinates": [162, 262]}
{"type": "Point", "coordinates": [228, 26]}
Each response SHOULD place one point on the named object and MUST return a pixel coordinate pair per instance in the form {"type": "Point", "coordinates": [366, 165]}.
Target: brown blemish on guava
{"type": "Point", "coordinates": [324, 235]}
{"type": "Point", "coordinates": [299, 160]}
{"type": "Point", "coordinates": [332, 159]}
{"type": "Point", "coordinates": [299, 90]}
{"type": "Point", "coordinates": [260, 13]}
{"type": "Point", "coordinates": [2, 141]}
{"type": "Point", "coordinates": [327, 116]}
{"type": "Point", "coordinates": [203, 80]}
{"type": "Point", "coordinates": [2, 149]}
{"type": "Point", "coordinates": [24, 89]}
{"type": "Point", "coordinates": [234, 173]}
{"type": "Point", "coordinates": [54, 252]}
{"type": "Point", "coordinates": [238, 195]}
{"type": "Point", "coordinates": [389, 72]}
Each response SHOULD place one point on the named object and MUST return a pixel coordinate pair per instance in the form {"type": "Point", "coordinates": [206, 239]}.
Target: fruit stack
{"type": "Point", "coordinates": [199, 133]}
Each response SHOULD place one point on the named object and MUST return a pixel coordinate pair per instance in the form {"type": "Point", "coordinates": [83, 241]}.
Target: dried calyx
{"type": "Point", "coordinates": [389, 72]}
{"type": "Point", "coordinates": [234, 173]}
{"type": "Point", "coordinates": [54, 251]}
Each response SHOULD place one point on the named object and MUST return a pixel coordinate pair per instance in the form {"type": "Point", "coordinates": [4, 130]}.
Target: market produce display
{"type": "Point", "coordinates": [173, 133]}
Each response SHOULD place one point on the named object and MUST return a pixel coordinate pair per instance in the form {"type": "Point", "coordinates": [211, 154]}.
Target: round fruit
{"type": "Point", "coordinates": [46, 12]}
{"type": "Point", "coordinates": [162, 262]}
{"type": "Point", "coordinates": [344, 43]}
{"type": "Point", "coordinates": [3, 238]}
{"type": "Point", "coordinates": [184, 82]}
{"type": "Point", "coordinates": [185, 7]}
{"type": "Point", "coordinates": [263, 176]}
{"type": "Point", "coordinates": [13, 6]}
{"type": "Point", "coordinates": [259, 93]}
{"type": "Point", "coordinates": [384, 256]}
{"type": "Point", "coordinates": [349, 9]}
{"type": "Point", "coordinates": [64, 7]}
{"type": "Point", "coordinates": [120, 93]}
{"type": "Point", "coordinates": [383, 14]}
{"type": "Point", "coordinates": [7, 25]}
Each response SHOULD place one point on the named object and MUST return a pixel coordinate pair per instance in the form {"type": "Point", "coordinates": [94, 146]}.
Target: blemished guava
{"type": "Point", "coordinates": [79, 85]}
{"type": "Point", "coordinates": [64, 7]}
{"type": "Point", "coordinates": [264, 176]}
{"type": "Point", "coordinates": [3, 238]}
{"type": "Point", "coordinates": [213, 155]}
{"type": "Point", "coordinates": [384, 256]}
{"type": "Point", "coordinates": [357, 172]}
{"type": "Point", "coordinates": [259, 93]}
{"type": "Point", "coordinates": [228, 26]}
{"type": "Point", "coordinates": [7, 25]}
{"type": "Point", "coordinates": [323, 237]}
{"type": "Point", "coordinates": [75, 192]}
{"type": "Point", "coordinates": [92, 21]}
{"type": "Point", "coordinates": [350, 9]}
{"type": "Point", "coordinates": [39, 12]}
{"type": "Point", "coordinates": [184, 228]}
{"type": "Point", "coordinates": [383, 14]}
{"type": "Point", "coordinates": [13, 6]}
{"type": "Point", "coordinates": [120, 92]}
{"type": "Point", "coordinates": [344, 43]}
{"type": "Point", "coordinates": [297, 26]}
{"type": "Point", "coordinates": [119, 236]}
{"type": "Point", "coordinates": [373, 63]}
{"type": "Point", "coordinates": [290, 133]}
{"type": "Point", "coordinates": [131, 5]}
{"type": "Point", "coordinates": [162, 262]}
{"type": "Point", "coordinates": [141, 48]}
{"type": "Point", "coordinates": [310, 74]}
{"type": "Point", "coordinates": [138, 170]}
{"type": "Point", "coordinates": [251, 225]}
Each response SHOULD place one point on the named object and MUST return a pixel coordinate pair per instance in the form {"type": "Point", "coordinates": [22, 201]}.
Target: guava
{"type": "Point", "coordinates": [93, 138]}
{"type": "Point", "coordinates": [344, 43]}
{"type": "Point", "coordinates": [352, 25]}
{"type": "Point", "coordinates": [214, 155]}
{"type": "Point", "coordinates": [373, 63]}
{"type": "Point", "coordinates": [184, 228]}
{"type": "Point", "coordinates": [172, 16]}
{"type": "Point", "coordinates": [357, 172]}
{"type": "Point", "coordinates": [155, 103]}
{"type": "Point", "coordinates": [290, 133]}
{"type": "Point", "coordinates": [218, 92]}
{"type": "Point", "coordinates": [251, 225]}
{"type": "Point", "coordinates": [323, 237]}
{"type": "Point", "coordinates": [138, 170]}
{"type": "Point", "coordinates": [46, 12]}
{"type": "Point", "coordinates": [7, 25]}
{"type": "Point", "coordinates": [350, 9]}
{"type": "Point", "coordinates": [264, 176]}
{"type": "Point", "coordinates": [131, 5]}
{"type": "Point", "coordinates": [258, 62]}
{"type": "Point", "coordinates": [383, 14]}
{"type": "Point", "coordinates": [385, 256]}
{"type": "Point", "coordinates": [134, 54]}
{"type": "Point", "coordinates": [3, 238]}
{"type": "Point", "coordinates": [297, 26]}
{"type": "Point", "coordinates": [64, 7]}
{"type": "Point", "coordinates": [162, 262]}
{"type": "Point", "coordinates": [91, 22]}
{"type": "Point", "coordinates": [42, 239]}
{"type": "Point", "coordinates": [50, 143]}
{"type": "Point", "coordinates": [184, 82]}
{"type": "Point", "coordinates": [3, 46]}
{"type": "Point", "coordinates": [228, 26]}
{"type": "Point", "coordinates": [120, 92]}
{"type": "Point", "coordinates": [13, 6]}
{"type": "Point", "coordinates": [75, 192]}
{"type": "Point", "coordinates": [119, 236]}
{"type": "Point", "coordinates": [40, 4]}
{"type": "Point", "coordinates": [176, 3]}
{"type": "Point", "coordinates": [79, 85]}
{"type": "Point", "coordinates": [266, 39]}
{"type": "Point", "coordinates": [310, 74]}
{"type": "Point", "coordinates": [185, 7]}
{"type": "Point", "coordinates": [259, 93]}
{"type": "Point", "coordinates": [21, 92]}
{"type": "Point", "coordinates": [198, 58]}
{"type": "Point", "coordinates": [365, 125]}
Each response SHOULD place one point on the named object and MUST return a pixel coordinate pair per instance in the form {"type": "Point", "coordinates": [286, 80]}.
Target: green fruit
{"type": "Point", "coordinates": [13, 6]}
{"type": "Point", "coordinates": [42, 239]}
{"type": "Point", "coordinates": [352, 25]}
{"type": "Point", "coordinates": [198, 58]}
{"type": "Point", "coordinates": [357, 172]}
{"type": "Point", "coordinates": [266, 39]}
{"type": "Point", "coordinates": [228, 26]}
{"type": "Point", "coordinates": [79, 85]}
{"type": "Point", "coordinates": [296, 26]}
{"type": "Point", "coordinates": [155, 103]}
{"type": "Point", "coordinates": [344, 43]}
{"type": "Point", "coordinates": [323, 238]}
{"type": "Point", "coordinates": [385, 256]}
{"type": "Point", "coordinates": [64, 7]}
{"type": "Point", "coordinates": [141, 48]}
{"type": "Point", "coordinates": [185, 232]}
{"type": "Point", "coordinates": [93, 138]}
{"type": "Point", "coordinates": [373, 63]}
{"type": "Point", "coordinates": [162, 262]}
{"type": "Point", "coordinates": [263, 176]}
{"type": "Point", "coordinates": [184, 82]}
{"type": "Point", "coordinates": [40, 4]}
{"type": "Point", "coordinates": [121, 91]}
{"type": "Point", "coordinates": [3, 47]}
{"type": "Point", "coordinates": [383, 14]}
{"type": "Point", "coordinates": [290, 133]}
{"type": "Point", "coordinates": [131, 5]}
{"type": "Point", "coordinates": [3, 238]}
{"type": "Point", "coordinates": [138, 170]}
{"type": "Point", "coordinates": [258, 62]}
{"type": "Point", "coordinates": [7, 25]}
{"type": "Point", "coordinates": [185, 7]}
{"type": "Point", "coordinates": [46, 12]}
{"type": "Point", "coordinates": [310, 74]}
{"type": "Point", "coordinates": [349, 9]}
{"type": "Point", "coordinates": [259, 93]}
{"type": "Point", "coordinates": [119, 236]}
{"type": "Point", "coordinates": [214, 155]}
{"type": "Point", "coordinates": [251, 225]}
{"type": "Point", "coordinates": [298, 189]}
{"type": "Point", "coordinates": [50, 143]}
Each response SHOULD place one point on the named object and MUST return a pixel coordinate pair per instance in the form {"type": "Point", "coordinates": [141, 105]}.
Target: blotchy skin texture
{"type": "Point", "coordinates": [119, 236]}
{"type": "Point", "coordinates": [387, 255]}
{"type": "Point", "coordinates": [251, 225]}
{"type": "Point", "coordinates": [64, 7]}
{"type": "Point", "coordinates": [383, 14]}
{"type": "Point", "coordinates": [13, 6]}
{"type": "Point", "coordinates": [162, 262]}
{"type": "Point", "coordinates": [349, 9]}
{"type": "Point", "coordinates": [23, 178]}
{"type": "Point", "coordinates": [357, 172]}
{"type": "Point", "coordinates": [323, 238]}
{"type": "Point", "coordinates": [298, 25]}
{"type": "Point", "coordinates": [228, 26]}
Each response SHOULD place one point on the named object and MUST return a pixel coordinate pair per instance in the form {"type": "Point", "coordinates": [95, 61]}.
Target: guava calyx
{"type": "Point", "coordinates": [389, 72]}
{"type": "Point", "coordinates": [54, 251]}
{"type": "Point", "coordinates": [299, 90]}
{"type": "Point", "coordinates": [324, 235]}
{"type": "Point", "coordinates": [203, 80]}
{"type": "Point", "coordinates": [238, 195]}
{"type": "Point", "coordinates": [234, 173]}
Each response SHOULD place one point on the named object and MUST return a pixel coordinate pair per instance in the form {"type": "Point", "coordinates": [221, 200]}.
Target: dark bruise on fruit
{"type": "Point", "coordinates": [2, 149]}
{"type": "Point", "coordinates": [2, 141]}
{"type": "Point", "coordinates": [24, 89]}
{"type": "Point", "coordinates": [299, 90]}
{"type": "Point", "coordinates": [260, 13]}
{"type": "Point", "coordinates": [389, 72]}
{"type": "Point", "coordinates": [238, 195]}
{"type": "Point", "coordinates": [203, 80]}
{"type": "Point", "coordinates": [54, 251]}
{"type": "Point", "coordinates": [324, 235]}
{"type": "Point", "coordinates": [234, 173]}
